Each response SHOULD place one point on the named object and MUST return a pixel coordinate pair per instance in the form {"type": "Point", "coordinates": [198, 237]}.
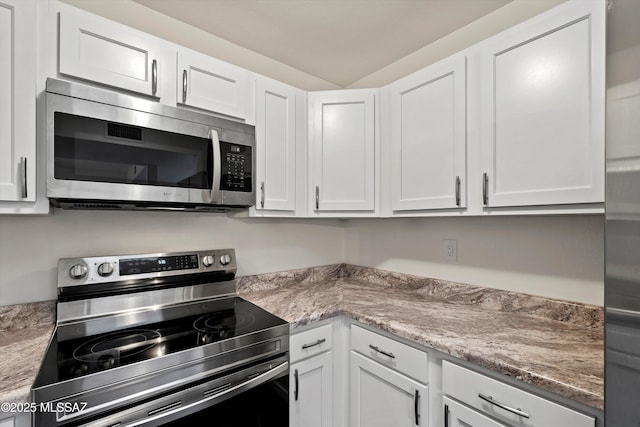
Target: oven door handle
{"type": "Point", "coordinates": [227, 392]}
{"type": "Point", "coordinates": [217, 162]}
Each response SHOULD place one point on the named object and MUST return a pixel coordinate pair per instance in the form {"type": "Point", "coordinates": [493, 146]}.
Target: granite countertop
{"type": "Point", "coordinates": [25, 331]}
{"type": "Point", "coordinates": [555, 345]}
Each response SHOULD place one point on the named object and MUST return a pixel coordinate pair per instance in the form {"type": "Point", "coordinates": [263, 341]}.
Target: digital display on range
{"type": "Point", "coordinates": [157, 264]}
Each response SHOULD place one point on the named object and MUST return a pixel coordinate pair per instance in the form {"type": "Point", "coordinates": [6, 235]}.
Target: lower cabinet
{"type": "Point", "coordinates": [488, 402]}
{"type": "Point", "coordinates": [311, 378]}
{"type": "Point", "coordinates": [388, 382]}
{"type": "Point", "coordinates": [310, 391]}
{"type": "Point", "coordinates": [381, 397]}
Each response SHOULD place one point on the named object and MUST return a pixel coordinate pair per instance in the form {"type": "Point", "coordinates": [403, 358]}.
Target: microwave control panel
{"type": "Point", "coordinates": [236, 167]}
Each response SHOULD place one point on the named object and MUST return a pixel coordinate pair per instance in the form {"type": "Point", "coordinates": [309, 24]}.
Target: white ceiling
{"type": "Point", "coordinates": [339, 41]}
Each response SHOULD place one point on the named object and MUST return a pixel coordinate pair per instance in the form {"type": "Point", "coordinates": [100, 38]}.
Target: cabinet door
{"type": "Point", "coordinates": [310, 392]}
{"type": "Point", "coordinates": [105, 52]}
{"type": "Point", "coordinates": [381, 397]}
{"type": "Point", "coordinates": [456, 415]}
{"type": "Point", "coordinates": [17, 100]}
{"type": "Point", "coordinates": [342, 133]}
{"type": "Point", "coordinates": [542, 102]}
{"type": "Point", "coordinates": [428, 130]}
{"type": "Point", "coordinates": [213, 85]}
{"type": "Point", "coordinates": [276, 145]}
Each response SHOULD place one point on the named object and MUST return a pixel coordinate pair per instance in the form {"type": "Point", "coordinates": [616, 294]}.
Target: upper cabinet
{"type": "Point", "coordinates": [276, 142]}
{"type": "Point", "coordinates": [542, 88]}
{"type": "Point", "coordinates": [17, 106]}
{"type": "Point", "coordinates": [428, 138]}
{"type": "Point", "coordinates": [343, 146]}
{"type": "Point", "coordinates": [102, 51]}
{"type": "Point", "coordinates": [210, 84]}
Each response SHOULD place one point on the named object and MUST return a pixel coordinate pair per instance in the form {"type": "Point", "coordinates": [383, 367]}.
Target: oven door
{"type": "Point", "coordinates": [97, 151]}
{"type": "Point", "coordinates": [249, 397]}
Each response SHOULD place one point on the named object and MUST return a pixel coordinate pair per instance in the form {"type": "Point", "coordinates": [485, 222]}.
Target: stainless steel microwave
{"type": "Point", "coordinates": [109, 150]}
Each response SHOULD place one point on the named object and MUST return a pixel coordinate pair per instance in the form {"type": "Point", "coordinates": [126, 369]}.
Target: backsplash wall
{"type": "Point", "coordinates": [553, 256]}
{"type": "Point", "coordinates": [31, 246]}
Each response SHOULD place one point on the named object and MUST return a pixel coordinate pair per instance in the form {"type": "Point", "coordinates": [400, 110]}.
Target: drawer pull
{"type": "Point", "coordinates": [320, 341]}
{"type": "Point", "coordinates": [489, 399]}
{"type": "Point", "coordinates": [377, 350]}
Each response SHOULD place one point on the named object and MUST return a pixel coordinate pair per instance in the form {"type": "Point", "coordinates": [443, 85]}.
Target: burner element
{"type": "Point", "coordinates": [105, 351]}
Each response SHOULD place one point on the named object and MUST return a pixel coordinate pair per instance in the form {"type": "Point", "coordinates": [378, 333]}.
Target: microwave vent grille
{"type": "Point", "coordinates": [118, 130]}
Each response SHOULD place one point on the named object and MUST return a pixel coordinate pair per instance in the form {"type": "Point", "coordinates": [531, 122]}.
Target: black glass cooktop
{"type": "Point", "coordinates": [215, 321]}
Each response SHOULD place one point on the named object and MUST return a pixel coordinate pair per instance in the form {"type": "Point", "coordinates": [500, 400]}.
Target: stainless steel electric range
{"type": "Point", "coordinates": [159, 339]}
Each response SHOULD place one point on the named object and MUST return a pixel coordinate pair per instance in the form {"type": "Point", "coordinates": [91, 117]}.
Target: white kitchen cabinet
{"type": "Point", "coordinates": [311, 378]}
{"type": "Point", "coordinates": [18, 42]}
{"type": "Point", "coordinates": [102, 51]}
{"type": "Point", "coordinates": [276, 141]}
{"type": "Point", "coordinates": [382, 397]}
{"type": "Point", "coordinates": [428, 137]}
{"type": "Point", "coordinates": [310, 392]}
{"type": "Point", "coordinates": [505, 403]}
{"type": "Point", "coordinates": [542, 88]}
{"type": "Point", "coordinates": [213, 85]}
{"type": "Point", "coordinates": [388, 381]}
{"type": "Point", "coordinates": [342, 141]}
{"type": "Point", "coordinates": [457, 415]}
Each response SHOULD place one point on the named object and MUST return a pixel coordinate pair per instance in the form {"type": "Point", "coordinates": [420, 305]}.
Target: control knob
{"type": "Point", "coordinates": [78, 271]}
{"type": "Point", "coordinates": [225, 259]}
{"type": "Point", "coordinates": [105, 269]}
{"type": "Point", "coordinates": [207, 260]}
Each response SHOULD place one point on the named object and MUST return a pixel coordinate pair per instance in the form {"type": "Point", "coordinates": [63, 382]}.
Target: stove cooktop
{"type": "Point", "coordinates": [214, 322]}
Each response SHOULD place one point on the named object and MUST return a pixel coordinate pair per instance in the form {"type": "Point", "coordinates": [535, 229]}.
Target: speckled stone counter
{"type": "Point", "coordinates": [25, 330]}
{"type": "Point", "coordinates": [555, 345]}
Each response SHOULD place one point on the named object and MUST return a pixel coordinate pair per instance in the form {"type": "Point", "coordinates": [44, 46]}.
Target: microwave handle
{"type": "Point", "coordinates": [217, 172]}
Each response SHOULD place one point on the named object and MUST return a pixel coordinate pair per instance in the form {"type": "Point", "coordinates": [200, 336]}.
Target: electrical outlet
{"type": "Point", "coordinates": [450, 249]}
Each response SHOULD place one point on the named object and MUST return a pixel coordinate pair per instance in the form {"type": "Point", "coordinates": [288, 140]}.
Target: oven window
{"type": "Point", "coordinates": [264, 406]}
{"type": "Point", "coordinates": [87, 149]}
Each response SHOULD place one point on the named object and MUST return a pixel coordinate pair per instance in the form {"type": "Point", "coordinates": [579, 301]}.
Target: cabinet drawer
{"type": "Point", "coordinates": [310, 343]}
{"type": "Point", "coordinates": [401, 357]}
{"type": "Point", "coordinates": [467, 386]}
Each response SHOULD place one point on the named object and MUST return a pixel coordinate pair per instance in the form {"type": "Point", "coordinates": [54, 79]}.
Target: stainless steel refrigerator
{"type": "Point", "coordinates": [622, 206]}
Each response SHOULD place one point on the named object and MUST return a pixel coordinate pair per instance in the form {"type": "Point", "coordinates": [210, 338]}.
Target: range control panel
{"type": "Point", "coordinates": [105, 269]}
{"type": "Point", "coordinates": [156, 264]}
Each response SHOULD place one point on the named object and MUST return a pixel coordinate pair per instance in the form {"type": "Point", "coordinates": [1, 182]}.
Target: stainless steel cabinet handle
{"type": "Point", "coordinates": [446, 415]}
{"type": "Point", "coordinates": [416, 407]}
{"type": "Point", "coordinates": [295, 390]}
{"type": "Point", "coordinates": [184, 86]}
{"type": "Point", "coordinates": [377, 350]}
{"type": "Point", "coordinates": [485, 189]}
{"type": "Point", "coordinates": [25, 193]}
{"type": "Point", "coordinates": [457, 191]}
{"type": "Point", "coordinates": [517, 411]}
{"type": "Point", "coordinates": [320, 341]}
{"type": "Point", "coordinates": [262, 195]}
{"type": "Point", "coordinates": [317, 197]}
{"type": "Point", "coordinates": [154, 77]}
